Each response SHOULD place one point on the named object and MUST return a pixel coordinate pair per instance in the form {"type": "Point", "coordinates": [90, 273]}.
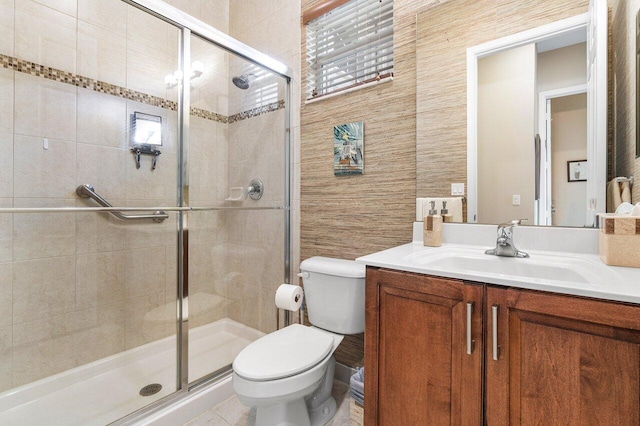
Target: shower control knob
{"type": "Point", "coordinates": [255, 189]}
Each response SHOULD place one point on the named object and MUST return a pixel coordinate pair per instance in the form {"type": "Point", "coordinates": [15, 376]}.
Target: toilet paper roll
{"type": "Point", "coordinates": [289, 297]}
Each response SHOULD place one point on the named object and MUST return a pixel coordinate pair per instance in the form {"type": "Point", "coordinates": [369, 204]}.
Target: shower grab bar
{"type": "Point", "coordinates": [87, 191]}
{"type": "Point", "coordinates": [12, 210]}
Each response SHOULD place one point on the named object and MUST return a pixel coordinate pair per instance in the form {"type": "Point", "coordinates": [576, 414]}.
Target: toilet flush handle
{"type": "Point", "coordinates": [303, 275]}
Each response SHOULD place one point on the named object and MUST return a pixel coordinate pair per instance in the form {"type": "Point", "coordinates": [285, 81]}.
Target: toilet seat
{"type": "Point", "coordinates": [283, 353]}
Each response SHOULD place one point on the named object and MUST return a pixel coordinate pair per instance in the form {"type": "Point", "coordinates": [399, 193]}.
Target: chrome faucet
{"type": "Point", "coordinates": [504, 243]}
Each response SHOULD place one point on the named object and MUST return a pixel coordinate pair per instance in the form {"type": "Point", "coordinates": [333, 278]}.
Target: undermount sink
{"type": "Point", "coordinates": [538, 267]}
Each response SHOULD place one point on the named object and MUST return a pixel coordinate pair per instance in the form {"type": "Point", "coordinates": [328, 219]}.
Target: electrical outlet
{"type": "Point", "coordinates": [516, 200]}
{"type": "Point", "coordinates": [457, 189]}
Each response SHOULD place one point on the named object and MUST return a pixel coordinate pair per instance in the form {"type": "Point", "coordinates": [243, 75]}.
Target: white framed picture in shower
{"type": "Point", "coordinates": [577, 171]}
{"type": "Point", "coordinates": [348, 149]}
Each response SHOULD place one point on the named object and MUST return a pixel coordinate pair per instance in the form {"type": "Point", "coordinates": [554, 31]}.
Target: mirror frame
{"type": "Point", "coordinates": [474, 53]}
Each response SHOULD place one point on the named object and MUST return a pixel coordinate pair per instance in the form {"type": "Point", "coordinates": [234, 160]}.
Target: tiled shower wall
{"type": "Point", "coordinates": [77, 287]}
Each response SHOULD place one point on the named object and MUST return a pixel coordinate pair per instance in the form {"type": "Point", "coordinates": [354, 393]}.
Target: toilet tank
{"type": "Point", "coordinates": [334, 294]}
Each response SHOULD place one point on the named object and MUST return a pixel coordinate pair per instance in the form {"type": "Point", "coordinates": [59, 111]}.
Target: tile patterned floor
{"type": "Point", "coordinates": [232, 412]}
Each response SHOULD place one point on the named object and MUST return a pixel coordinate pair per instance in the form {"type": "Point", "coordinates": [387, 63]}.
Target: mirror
{"type": "Point", "coordinates": [443, 123]}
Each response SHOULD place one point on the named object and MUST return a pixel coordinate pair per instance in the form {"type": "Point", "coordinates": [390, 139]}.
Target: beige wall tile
{"type": "Point", "coordinates": [102, 55]}
{"type": "Point", "coordinates": [100, 279]}
{"type": "Point", "coordinates": [216, 14]}
{"type": "Point", "coordinates": [205, 227]}
{"type": "Point", "coordinates": [147, 67]}
{"type": "Point", "coordinates": [104, 168]}
{"type": "Point", "coordinates": [44, 108]}
{"type": "Point", "coordinates": [6, 358]}
{"type": "Point", "coordinates": [107, 14]}
{"type": "Point", "coordinates": [42, 347]}
{"type": "Point", "coordinates": [146, 30]}
{"type": "Point", "coordinates": [201, 266]}
{"type": "Point", "coordinates": [152, 52]}
{"type": "Point", "coordinates": [42, 172]}
{"type": "Point", "coordinates": [99, 232]}
{"type": "Point", "coordinates": [6, 27]}
{"type": "Point", "coordinates": [43, 235]}
{"type": "Point", "coordinates": [145, 272]}
{"type": "Point", "coordinates": [45, 36]}
{"type": "Point", "coordinates": [6, 165]}
{"type": "Point", "coordinates": [192, 7]}
{"type": "Point", "coordinates": [100, 333]}
{"type": "Point", "coordinates": [68, 7]}
{"type": "Point", "coordinates": [43, 288]}
{"type": "Point", "coordinates": [6, 297]}
{"type": "Point", "coordinates": [148, 318]}
{"type": "Point", "coordinates": [268, 310]}
{"type": "Point", "coordinates": [6, 100]}
{"type": "Point", "coordinates": [6, 232]}
{"type": "Point", "coordinates": [149, 234]}
{"type": "Point", "coordinates": [102, 119]}
{"type": "Point", "coordinates": [207, 165]}
{"type": "Point", "coordinates": [244, 304]}
{"type": "Point", "coordinates": [160, 185]}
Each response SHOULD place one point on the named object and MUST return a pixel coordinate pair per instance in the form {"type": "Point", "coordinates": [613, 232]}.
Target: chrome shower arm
{"type": "Point", "coordinates": [87, 191]}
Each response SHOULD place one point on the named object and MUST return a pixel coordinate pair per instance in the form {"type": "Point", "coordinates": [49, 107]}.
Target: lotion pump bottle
{"type": "Point", "coordinates": [432, 227]}
{"type": "Point", "coordinates": [446, 217]}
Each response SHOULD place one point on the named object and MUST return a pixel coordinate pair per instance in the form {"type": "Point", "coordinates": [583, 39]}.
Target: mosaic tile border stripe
{"type": "Point", "coordinates": [37, 70]}
{"type": "Point", "coordinates": [256, 111]}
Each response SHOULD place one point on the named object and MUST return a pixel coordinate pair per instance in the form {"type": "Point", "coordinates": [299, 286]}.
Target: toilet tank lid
{"type": "Point", "coordinates": [331, 266]}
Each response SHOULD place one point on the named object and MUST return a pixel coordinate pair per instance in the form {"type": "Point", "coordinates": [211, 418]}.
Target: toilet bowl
{"type": "Point", "coordinates": [281, 372]}
{"type": "Point", "coordinates": [288, 374]}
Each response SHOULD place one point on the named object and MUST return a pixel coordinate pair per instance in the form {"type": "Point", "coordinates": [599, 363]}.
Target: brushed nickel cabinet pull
{"type": "Point", "coordinates": [494, 332]}
{"type": "Point", "coordinates": [470, 342]}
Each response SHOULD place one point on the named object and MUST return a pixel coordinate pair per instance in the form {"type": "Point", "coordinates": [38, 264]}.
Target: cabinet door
{"type": "Point", "coordinates": [561, 360]}
{"type": "Point", "coordinates": [417, 369]}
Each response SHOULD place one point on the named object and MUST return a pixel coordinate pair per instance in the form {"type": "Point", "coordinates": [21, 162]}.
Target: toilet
{"type": "Point", "coordinates": [288, 374]}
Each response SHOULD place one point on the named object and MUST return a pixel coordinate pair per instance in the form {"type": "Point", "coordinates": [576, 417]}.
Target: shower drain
{"type": "Point", "coordinates": [151, 389]}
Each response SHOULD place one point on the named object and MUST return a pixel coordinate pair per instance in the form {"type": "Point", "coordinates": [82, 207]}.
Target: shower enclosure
{"type": "Point", "coordinates": [144, 207]}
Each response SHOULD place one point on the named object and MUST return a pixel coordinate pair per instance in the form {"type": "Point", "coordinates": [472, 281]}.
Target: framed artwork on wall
{"type": "Point", "coordinates": [577, 171]}
{"type": "Point", "coordinates": [348, 149]}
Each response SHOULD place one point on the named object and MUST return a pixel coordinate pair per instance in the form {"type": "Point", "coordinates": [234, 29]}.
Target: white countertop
{"type": "Point", "coordinates": [581, 274]}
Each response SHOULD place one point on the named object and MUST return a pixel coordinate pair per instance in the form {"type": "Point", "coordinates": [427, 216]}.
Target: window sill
{"type": "Point", "coordinates": [352, 89]}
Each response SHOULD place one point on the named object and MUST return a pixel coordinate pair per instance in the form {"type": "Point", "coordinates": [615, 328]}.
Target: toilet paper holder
{"type": "Point", "coordinates": [298, 299]}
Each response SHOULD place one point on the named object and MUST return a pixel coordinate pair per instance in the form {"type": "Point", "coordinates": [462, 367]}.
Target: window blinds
{"type": "Point", "coordinates": [349, 46]}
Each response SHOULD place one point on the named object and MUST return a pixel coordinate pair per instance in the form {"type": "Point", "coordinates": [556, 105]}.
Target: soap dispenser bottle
{"type": "Point", "coordinates": [446, 217]}
{"type": "Point", "coordinates": [432, 227]}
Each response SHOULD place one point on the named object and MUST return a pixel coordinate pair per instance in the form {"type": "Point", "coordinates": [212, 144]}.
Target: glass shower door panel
{"type": "Point", "coordinates": [236, 241]}
{"type": "Point", "coordinates": [235, 266]}
{"type": "Point", "coordinates": [87, 300]}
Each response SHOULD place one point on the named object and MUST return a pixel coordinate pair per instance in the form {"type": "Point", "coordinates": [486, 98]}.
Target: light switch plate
{"type": "Point", "coordinates": [457, 189]}
{"type": "Point", "coordinates": [516, 200]}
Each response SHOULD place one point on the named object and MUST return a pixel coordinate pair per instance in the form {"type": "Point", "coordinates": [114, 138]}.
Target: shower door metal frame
{"type": "Point", "coordinates": [188, 26]}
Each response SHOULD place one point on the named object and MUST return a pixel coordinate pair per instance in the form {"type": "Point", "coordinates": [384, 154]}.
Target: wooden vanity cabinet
{"type": "Point", "coordinates": [417, 372]}
{"type": "Point", "coordinates": [560, 359]}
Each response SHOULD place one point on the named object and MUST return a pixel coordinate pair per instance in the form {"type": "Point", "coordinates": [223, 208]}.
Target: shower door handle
{"type": "Point", "coordinates": [87, 191]}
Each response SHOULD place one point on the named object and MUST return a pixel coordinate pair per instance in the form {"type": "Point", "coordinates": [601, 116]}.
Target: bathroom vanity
{"type": "Point", "coordinates": [454, 336]}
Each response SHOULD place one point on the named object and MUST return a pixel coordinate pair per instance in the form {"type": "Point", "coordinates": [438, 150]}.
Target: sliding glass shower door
{"type": "Point", "coordinates": [87, 297]}
{"type": "Point", "coordinates": [236, 187]}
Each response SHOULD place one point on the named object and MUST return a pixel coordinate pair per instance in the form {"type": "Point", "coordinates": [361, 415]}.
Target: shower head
{"type": "Point", "coordinates": [242, 82]}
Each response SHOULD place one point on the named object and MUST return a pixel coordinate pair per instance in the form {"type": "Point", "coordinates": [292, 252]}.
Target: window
{"type": "Point", "coordinates": [349, 45]}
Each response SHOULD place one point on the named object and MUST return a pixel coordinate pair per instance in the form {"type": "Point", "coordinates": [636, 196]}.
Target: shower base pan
{"type": "Point", "coordinates": [108, 389]}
